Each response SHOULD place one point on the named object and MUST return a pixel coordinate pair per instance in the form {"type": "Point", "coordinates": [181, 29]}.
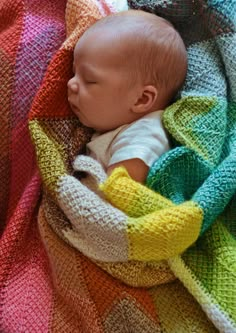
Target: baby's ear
{"type": "Point", "coordinates": [146, 100]}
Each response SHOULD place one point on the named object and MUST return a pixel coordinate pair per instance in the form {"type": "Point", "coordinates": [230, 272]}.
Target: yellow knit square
{"type": "Point", "coordinates": [165, 233]}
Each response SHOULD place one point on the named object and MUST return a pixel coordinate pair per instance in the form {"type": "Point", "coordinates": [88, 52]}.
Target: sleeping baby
{"type": "Point", "coordinates": [127, 69]}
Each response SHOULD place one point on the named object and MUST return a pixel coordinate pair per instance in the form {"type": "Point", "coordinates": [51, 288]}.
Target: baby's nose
{"type": "Point", "coordinates": [73, 85]}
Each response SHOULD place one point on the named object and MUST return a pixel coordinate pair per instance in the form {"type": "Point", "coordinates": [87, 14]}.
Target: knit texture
{"type": "Point", "coordinates": [108, 254]}
{"type": "Point", "coordinates": [201, 167]}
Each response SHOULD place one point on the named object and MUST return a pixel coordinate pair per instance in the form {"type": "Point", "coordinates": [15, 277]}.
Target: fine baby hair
{"type": "Point", "coordinates": [153, 51]}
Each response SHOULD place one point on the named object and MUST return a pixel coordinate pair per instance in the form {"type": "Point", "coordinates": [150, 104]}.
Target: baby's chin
{"type": "Point", "coordinates": [86, 123]}
{"type": "Point", "coordinates": [81, 118]}
{"type": "Point", "coordinates": [96, 127]}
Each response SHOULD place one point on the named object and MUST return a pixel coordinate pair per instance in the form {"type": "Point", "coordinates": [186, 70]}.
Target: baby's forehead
{"type": "Point", "coordinates": [102, 41]}
{"type": "Point", "coordinates": [101, 52]}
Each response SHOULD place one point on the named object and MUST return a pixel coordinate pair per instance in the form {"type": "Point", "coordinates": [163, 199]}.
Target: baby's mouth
{"type": "Point", "coordinates": [72, 105]}
{"type": "Point", "coordinates": [74, 108]}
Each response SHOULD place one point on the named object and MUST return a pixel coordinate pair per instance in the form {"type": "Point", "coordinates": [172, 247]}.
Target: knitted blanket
{"type": "Point", "coordinates": [108, 254]}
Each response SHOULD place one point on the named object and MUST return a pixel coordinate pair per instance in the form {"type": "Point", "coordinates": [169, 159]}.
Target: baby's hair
{"type": "Point", "coordinates": [154, 51]}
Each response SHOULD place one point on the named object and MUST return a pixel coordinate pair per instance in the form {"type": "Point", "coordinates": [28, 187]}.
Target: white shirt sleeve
{"type": "Point", "coordinates": [144, 139]}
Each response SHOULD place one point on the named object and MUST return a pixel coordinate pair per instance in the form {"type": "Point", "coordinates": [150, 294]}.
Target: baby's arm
{"type": "Point", "coordinates": [136, 168]}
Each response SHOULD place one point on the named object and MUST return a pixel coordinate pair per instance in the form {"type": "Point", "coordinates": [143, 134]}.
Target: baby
{"type": "Point", "coordinates": [127, 69]}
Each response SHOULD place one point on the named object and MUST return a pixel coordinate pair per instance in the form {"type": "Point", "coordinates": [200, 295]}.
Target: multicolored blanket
{"type": "Point", "coordinates": [105, 254]}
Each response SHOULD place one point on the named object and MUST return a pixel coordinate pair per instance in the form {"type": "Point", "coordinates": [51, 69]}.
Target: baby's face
{"type": "Point", "coordinates": [98, 92]}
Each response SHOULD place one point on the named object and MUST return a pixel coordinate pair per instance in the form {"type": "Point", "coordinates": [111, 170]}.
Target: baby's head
{"type": "Point", "coordinates": [125, 66]}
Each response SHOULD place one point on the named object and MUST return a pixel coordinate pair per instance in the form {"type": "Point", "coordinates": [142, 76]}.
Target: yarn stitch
{"type": "Point", "coordinates": [108, 254]}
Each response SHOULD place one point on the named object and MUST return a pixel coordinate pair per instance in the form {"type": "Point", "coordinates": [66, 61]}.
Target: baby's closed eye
{"type": "Point", "coordinates": [89, 81]}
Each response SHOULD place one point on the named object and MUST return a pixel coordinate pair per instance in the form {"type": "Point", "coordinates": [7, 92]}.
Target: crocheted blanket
{"type": "Point", "coordinates": [105, 254]}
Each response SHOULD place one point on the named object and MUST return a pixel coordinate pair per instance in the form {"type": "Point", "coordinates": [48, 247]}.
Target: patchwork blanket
{"type": "Point", "coordinates": [108, 254]}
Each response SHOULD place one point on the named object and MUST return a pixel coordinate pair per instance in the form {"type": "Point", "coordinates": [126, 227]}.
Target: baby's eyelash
{"type": "Point", "coordinates": [90, 82]}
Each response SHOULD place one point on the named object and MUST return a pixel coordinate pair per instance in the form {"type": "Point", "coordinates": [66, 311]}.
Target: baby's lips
{"type": "Point", "coordinates": [73, 107]}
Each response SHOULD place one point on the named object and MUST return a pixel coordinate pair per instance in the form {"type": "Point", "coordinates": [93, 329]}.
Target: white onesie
{"type": "Point", "coordinates": [145, 139]}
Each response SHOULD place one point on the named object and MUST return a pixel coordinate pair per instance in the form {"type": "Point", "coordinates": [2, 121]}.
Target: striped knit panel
{"type": "Point", "coordinates": [11, 18]}
{"type": "Point", "coordinates": [33, 30]}
{"type": "Point", "coordinates": [202, 166]}
{"type": "Point", "coordinates": [87, 299]}
{"type": "Point", "coordinates": [54, 129]}
{"type": "Point", "coordinates": [208, 271]}
{"type": "Point", "coordinates": [179, 311]}
{"type": "Point", "coordinates": [203, 121]}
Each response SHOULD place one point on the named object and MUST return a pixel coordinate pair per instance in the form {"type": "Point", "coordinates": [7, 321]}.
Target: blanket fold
{"type": "Point", "coordinates": [108, 254]}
